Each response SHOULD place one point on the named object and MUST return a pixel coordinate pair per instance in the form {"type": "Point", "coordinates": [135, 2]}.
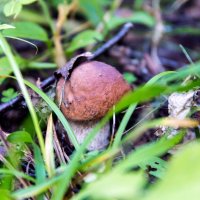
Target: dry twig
{"type": "Point", "coordinates": [19, 100]}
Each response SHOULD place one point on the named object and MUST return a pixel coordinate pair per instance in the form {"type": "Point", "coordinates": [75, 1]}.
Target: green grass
{"type": "Point", "coordinates": [163, 169]}
{"type": "Point", "coordinates": [61, 182]}
{"type": "Point", "coordinates": [6, 49]}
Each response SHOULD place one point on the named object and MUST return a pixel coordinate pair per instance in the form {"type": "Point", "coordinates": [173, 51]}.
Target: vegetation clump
{"type": "Point", "coordinates": [74, 127]}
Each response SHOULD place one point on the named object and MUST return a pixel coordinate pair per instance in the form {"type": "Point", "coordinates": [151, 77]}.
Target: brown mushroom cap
{"type": "Point", "coordinates": [93, 88]}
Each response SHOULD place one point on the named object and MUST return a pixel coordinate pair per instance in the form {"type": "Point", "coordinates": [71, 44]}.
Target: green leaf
{"type": "Point", "coordinates": [41, 65]}
{"type": "Point", "coordinates": [114, 186]}
{"type": "Point", "coordinates": [25, 125]}
{"type": "Point", "coordinates": [5, 194]}
{"type": "Point", "coordinates": [6, 182]}
{"type": "Point", "coordinates": [93, 10]}
{"type": "Point", "coordinates": [12, 8]}
{"type": "Point", "coordinates": [138, 17]}
{"type": "Point", "coordinates": [117, 179]}
{"type": "Point", "coordinates": [123, 124]}
{"type": "Point", "coordinates": [19, 137]}
{"type": "Point", "coordinates": [129, 77]}
{"type": "Point", "coordinates": [25, 2]}
{"type": "Point", "coordinates": [40, 178]}
{"type": "Point", "coordinates": [143, 18]}
{"type": "Point", "coordinates": [185, 30]}
{"type": "Point", "coordinates": [159, 76]}
{"type": "Point", "coordinates": [32, 16]}
{"type": "Point", "coordinates": [148, 151]}
{"type": "Point", "coordinates": [158, 166]}
{"type": "Point", "coordinates": [55, 3]}
{"type": "Point", "coordinates": [8, 95]}
{"type": "Point", "coordinates": [8, 92]}
{"type": "Point", "coordinates": [39, 164]}
{"type": "Point", "coordinates": [83, 39]}
{"type": "Point", "coordinates": [182, 179]}
{"type": "Point", "coordinates": [16, 173]}
{"type": "Point", "coordinates": [5, 26]}
{"type": "Point", "coordinates": [34, 190]}
{"type": "Point", "coordinates": [138, 4]}
{"type": "Point", "coordinates": [28, 30]}
{"type": "Point", "coordinates": [5, 68]}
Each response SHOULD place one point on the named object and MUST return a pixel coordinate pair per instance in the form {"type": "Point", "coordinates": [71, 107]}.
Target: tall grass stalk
{"type": "Point", "coordinates": [7, 50]}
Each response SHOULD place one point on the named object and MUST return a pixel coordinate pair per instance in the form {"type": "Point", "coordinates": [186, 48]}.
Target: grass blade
{"type": "Point", "coordinates": [49, 153]}
{"type": "Point", "coordinates": [123, 125]}
{"type": "Point", "coordinates": [15, 68]}
{"type": "Point", "coordinates": [57, 111]}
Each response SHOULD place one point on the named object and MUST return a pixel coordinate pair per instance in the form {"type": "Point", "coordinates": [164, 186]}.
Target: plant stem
{"type": "Point", "coordinates": [47, 15]}
{"type": "Point", "coordinates": [64, 10]}
{"type": "Point", "coordinates": [123, 125]}
{"type": "Point", "coordinates": [7, 50]}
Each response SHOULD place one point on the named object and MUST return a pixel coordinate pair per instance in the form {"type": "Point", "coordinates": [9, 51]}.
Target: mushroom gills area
{"type": "Point", "coordinates": [83, 128]}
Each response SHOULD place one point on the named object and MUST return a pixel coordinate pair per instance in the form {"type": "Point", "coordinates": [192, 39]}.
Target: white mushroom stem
{"type": "Point", "coordinates": [82, 128]}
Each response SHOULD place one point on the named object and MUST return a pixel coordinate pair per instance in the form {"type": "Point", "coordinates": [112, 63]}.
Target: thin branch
{"type": "Point", "coordinates": [112, 41]}
{"type": "Point", "coordinates": [19, 100]}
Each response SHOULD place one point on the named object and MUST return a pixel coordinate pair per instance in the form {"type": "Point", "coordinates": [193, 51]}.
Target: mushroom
{"type": "Point", "coordinates": [92, 89]}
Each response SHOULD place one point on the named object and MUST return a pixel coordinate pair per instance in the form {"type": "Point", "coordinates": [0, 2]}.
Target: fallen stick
{"type": "Point", "coordinates": [19, 100]}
